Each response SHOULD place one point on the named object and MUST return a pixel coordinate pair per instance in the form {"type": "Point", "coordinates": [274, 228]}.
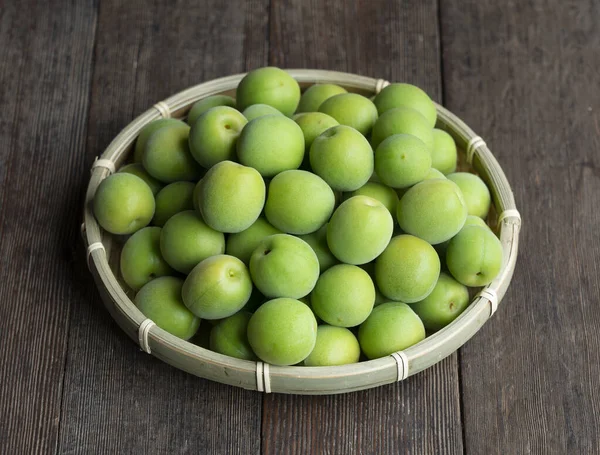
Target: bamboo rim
{"type": "Point", "coordinates": [300, 380]}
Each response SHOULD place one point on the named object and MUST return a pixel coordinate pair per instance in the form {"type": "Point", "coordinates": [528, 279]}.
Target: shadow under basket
{"type": "Point", "coordinates": [103, 249]}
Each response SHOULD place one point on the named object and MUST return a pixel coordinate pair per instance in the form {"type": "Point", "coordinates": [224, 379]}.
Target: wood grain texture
{"type": "Point", "coordinates": [398, 41]}
{"type": "Point", "coordinates": [45, 70]}
{"type": "Point", "coordinates": [525, 76]}
{"type": "Point", "coordinates": [118, 399]}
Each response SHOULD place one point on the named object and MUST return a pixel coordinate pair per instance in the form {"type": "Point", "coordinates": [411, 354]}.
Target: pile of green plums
{"type": "Point", "coordinates": [313, 228]}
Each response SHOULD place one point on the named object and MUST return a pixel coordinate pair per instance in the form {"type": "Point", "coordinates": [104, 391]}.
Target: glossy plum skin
{"type": "Point", "coordinates": [269, 85]}
{"type": "Point", "coordinates": [282, 331]}
{"type": "Point", "coordinates": [407, 270]}
{"type": "Point", "coordinates": [334, 346]}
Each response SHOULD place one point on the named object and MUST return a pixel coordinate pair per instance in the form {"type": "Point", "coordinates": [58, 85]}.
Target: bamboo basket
{"type": "Point", "coordinates": [102, 250]}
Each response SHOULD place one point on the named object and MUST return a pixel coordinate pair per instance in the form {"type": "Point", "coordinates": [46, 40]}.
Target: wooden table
{"type": "Point", "coordinates": [524, 74]}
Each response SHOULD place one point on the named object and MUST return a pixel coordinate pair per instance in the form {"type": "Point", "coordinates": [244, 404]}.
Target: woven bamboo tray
{"type": "Point", "coordinates": [103, 249]}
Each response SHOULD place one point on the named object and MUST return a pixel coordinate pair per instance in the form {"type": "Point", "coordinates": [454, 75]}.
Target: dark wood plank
{"type": "Point", "coordinates": [45, 72]}
{"type": "Point", "coordinates": [398, 41]}
{"type": "Point", "coordinates": [525, 76]}
{"type": "Point", "coordinates": [117, 398]}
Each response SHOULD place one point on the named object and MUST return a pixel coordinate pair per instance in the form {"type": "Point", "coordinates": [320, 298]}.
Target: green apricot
{"type": "Point", "coordinates": [269, 85]}
{"type": "Point", "coordinates": [446, 302]}
{"type": "Point", "coordinates": [200, 107]}
{"type": "Point", "coordinates": [474, 191]}
{"type": "Point", "coordinates": [470, 221]}
{"type": "Point", "coordinates": [384, 194]}
{"type": "Point", "coordinates": [316, 94]}
{"type": "Point", "coordinates": [242, 244]}
{"type": "Point", "coordinates": [391, 327]}
{"type": "Point", "coordinates": [231, 197]}
{"type": "Point", "coordinates": [282, 331]}
{"type": "Point", "coordinates": [433, 210]}
{"type": "Point", "coordinates": [259, 110]}
{"type": "Point", "coordinates": [123, 203]}
{"type": "Point", "coordinates": [408, 269]}
{"type": "Point", "coordinates": [167, 156]}
{"type": "Point", "coordinates": [402, 160]}
{"type": "Point", "coordinates": [186, 240]}
{"type": "Point", "coordinates": [284, 266]}
{"type": "Point", "coordinates": [141, 260]}
{"type": "Point", "coordinates": [160, 301]}
{"type": "Point", "coordinates": [351, 109]}
{"type": "Point", "coordinates": [334, 346]}
{"type": "Point", "coordinates": [443, 153]}
{"type": "Point", "coordinates": [138, 170]}
{"type": "Point", "coordinates": [406, 95]}
{"type": "Point", "coordinates": [214, 136]}
{"type": "Point", "coordinates": [474, 256]}
{"type": "Point", "coordinates": [342, 157]}
{"type": "Point", "coordinates": [229, 337]}
{"type": "Point", "coordinates": [146, 132]}
{"type": "Point", "coordinates": [173, 198]}
{"type": "Point", "coordinates": [402, 120]}
{"type": "Point", "coordinates": [359, 230]}
{"type": "Point", "coordinates": [434, 174]}
{"type": "Point", "coordinates": [217, 287]}
{"type": "Point", "coordinates": [299, 202]}
{"type": "Point", "coordinates": [271, 144]}
{"type": "Point", "coordinates": [312, 125]}
{"type": "Point", "coordinates": [318, 242]}
{"type": "Point", "coordinates": [343, 296]}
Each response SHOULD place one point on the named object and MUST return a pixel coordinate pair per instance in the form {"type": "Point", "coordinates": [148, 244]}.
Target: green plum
{"type": "Point", "coordinates": [160, 300]}
{"type": "Point", "coordinates": [433, 210]}
{"type": "Point", "coordinates": [214, 136]}
{"type": "Point", "coordinates": [359, 230]}
{"type": "Point", "coordinates": [470, 221]}
{"type": "Point", "coordinates": [173, 198]}
{"type": "Point", "coordinates": [141, 260]}
{"type": "Point", "coordinates": [443, 153]}
{"type": "Point", "coordinates": [269, 85]}
{"type": "Point", "coordinates": [343, 296]}
{"type": "Point", "coordinates": [384, 194]}
{"type": "Point", "coordinates": [334, 346]}
{"type": "Point", "coordinates": [406, 95]}
{"type": "Point", "coordinates": [434, 174]}
{"type": "Point", "coordinates": [205, 104]}
{"type": "Point", "coordinates": [146, 132]}
{"type": "Point", "coordinates": [351, 109]}
{"type": "Point", "coordinates": [138, 170]}
{"type": "Point", "coordinates": [408, 269]}
{"type": "Point", "coordinates": [271, 144]}
{"type": "Point", "coordinates": [231, 197]}
{"type": "Point", "coordinates": [391, 327]}
{"type": "Point", "coordinates": [342, 157]}
{"type": "Point", "coordinates": [217, 287]}
{"type": "Point", "coordinates": [318, 242]}
{"type": "Point", "coordinates": [242, 244]}
{"type": "Point", "coordinates": [402, 120]}
{"type": "Point", "coordinates": [123, 203]}
{"type": "Point", "coordinates": [446, 302]}
{"type": "Point", "coordinates": [167, 156]}
{"type": "Point", "coordinates": [402, 160]}
{"type": "Point", "coordinates": [474, 191]}
{"type": "Point", "coordinates": [312, 125]}
{"type": "Point", "coordinates": [230, 337]}
{"type": "Point", "coordinates": [299, 202]}
{"type": "Point", "coordinates": [474, 256]}
{"type": "Point", "coordinates": [186, 240]}
{"type": "Point", "coordinates": [282, 331]}
{"type": "Point", "coordinates": [314, 96]}
{"type": "Point", "coordinates": [284, 266]}
{"type": "Point", "coordinates": [259, 110]}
